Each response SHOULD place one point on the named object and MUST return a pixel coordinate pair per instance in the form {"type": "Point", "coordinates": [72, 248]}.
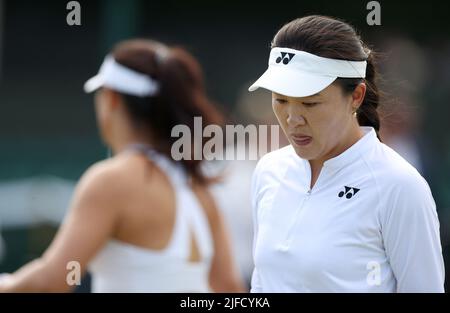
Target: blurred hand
{"type": "Point", "coordinates": [5, 281]}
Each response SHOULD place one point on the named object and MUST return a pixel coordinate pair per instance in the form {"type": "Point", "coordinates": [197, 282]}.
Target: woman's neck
{"type": "Point", "coordinates": [349, 140]}
{"type": "Point", "coordinates": [127, 139]}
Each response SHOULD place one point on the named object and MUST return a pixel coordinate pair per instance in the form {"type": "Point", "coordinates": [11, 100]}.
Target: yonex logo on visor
{"type": "Point", "coordinates": [286, 57]}
{"type": "Point", "coordinates": [306, 73]}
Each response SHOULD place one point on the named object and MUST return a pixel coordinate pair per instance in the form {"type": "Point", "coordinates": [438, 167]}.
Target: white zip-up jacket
{"type": "Point", "coordinates": [369, 224]}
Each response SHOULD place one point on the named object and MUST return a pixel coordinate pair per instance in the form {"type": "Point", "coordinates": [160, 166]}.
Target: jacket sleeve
{"type": "Point", "coordinates": [410, 230]}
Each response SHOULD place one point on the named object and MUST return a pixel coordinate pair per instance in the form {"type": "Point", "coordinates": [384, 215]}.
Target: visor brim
{"type": "Point", "coordinates": [292, 83]}
{"type": "Point", "coordinates": [93, 83]}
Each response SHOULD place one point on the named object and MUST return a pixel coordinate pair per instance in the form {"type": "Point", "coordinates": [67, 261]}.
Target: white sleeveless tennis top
{"type": "Point", "coordinates": [123, 267]}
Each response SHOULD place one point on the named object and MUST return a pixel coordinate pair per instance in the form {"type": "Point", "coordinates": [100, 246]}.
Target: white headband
{"type": "Point", "coordinates": [122, 79]}
{"type": "Point", "coordinates": [298, 73]}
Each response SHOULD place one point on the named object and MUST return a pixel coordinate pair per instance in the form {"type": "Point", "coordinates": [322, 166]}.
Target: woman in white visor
{"type": "Point", "coordinates": [139, 221]}
{"type": "Point", "coordinates": [337, 210]}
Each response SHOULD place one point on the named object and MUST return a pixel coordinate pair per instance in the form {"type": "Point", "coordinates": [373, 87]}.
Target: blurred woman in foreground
{"type": "Point", "coordinates": [140, 221]}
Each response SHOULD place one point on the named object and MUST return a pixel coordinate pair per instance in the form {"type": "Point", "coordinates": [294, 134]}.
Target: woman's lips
{"type": "Point", "coordinates": [302, 140]}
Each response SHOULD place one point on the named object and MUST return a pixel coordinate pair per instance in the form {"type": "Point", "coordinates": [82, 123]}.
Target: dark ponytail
{"type": "Point", "coordinates": [181, 97]}
{"type": "Point", "coordinates": [332, 38]}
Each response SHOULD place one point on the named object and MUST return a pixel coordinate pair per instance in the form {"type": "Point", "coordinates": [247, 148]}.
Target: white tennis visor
{"type": "Point", "coordinates": [122, 79]}
{"type": "Point", "coordinates": [295, 73]}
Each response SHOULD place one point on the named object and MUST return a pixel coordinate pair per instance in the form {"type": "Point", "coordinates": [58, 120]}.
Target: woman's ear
{"type": "Point", "coordinates": [112, 97]}
{"type": "Point", "coordinates": [358, 95]}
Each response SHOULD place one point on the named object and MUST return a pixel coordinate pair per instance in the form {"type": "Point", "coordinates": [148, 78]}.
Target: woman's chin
{"type": "Point", "coordinates": [304, 153]}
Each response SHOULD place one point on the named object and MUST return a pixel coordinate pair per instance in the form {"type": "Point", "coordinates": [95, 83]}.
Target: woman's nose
{"type": "Point", "coordinates": [295, 118]}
